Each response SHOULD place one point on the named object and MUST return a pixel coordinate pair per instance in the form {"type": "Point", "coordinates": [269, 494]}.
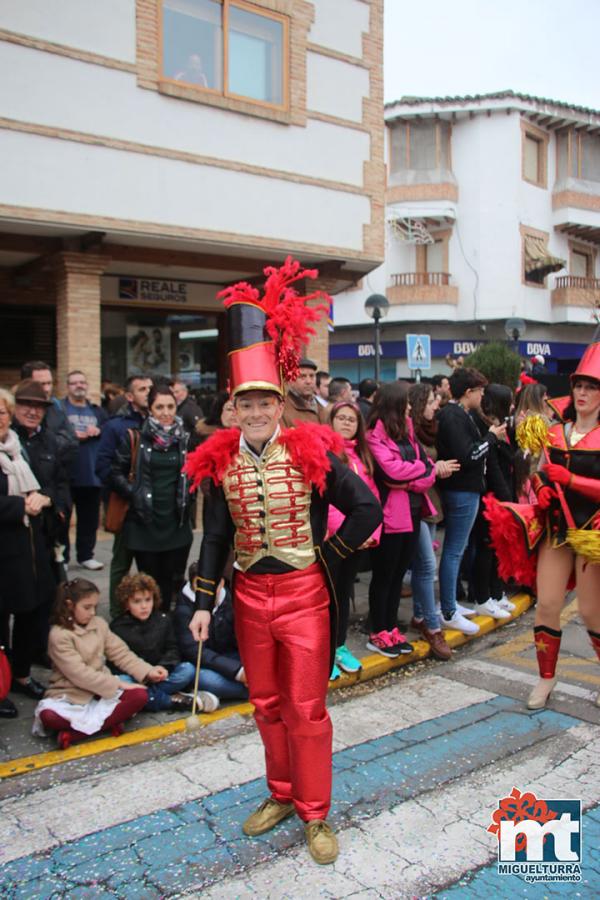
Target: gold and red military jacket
{"type": "Point", "coordinates": [273, 509]}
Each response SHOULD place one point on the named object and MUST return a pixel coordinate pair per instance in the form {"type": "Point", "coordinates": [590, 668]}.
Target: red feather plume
{"type": "Point", "coordinates": [509, 543]}
{"type": "Point", "coordinates": [288, 316]}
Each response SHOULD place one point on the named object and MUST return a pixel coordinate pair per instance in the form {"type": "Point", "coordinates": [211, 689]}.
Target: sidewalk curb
{"type": "Point", "coordinates": [373, 666]}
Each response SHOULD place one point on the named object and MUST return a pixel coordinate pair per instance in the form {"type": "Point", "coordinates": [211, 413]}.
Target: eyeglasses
{"type": "Point", "coordinates": [349, 420]}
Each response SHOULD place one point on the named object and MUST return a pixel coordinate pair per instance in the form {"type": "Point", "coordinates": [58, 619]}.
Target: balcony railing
{"type": "Point", "coordinates": [420, 279]}
{"type": "Point", "coordinates": [577, 281]}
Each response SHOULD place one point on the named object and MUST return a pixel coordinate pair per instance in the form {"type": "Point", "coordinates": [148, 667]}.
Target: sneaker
{"type": "Point", "coordinates": [436, 640]}
{"type": "Point", "coordinates": [322, 842]}
{"type": "Point", "coordinates": [181, 703]}
{"type": "Point", "coordinates": [206, 702]}
{"type": "Point", "coordinates": [335, 673]}
{"type": "Point", "coordinates": [346, 661]}
{"type": "Point", "coordinates": [400, 642]}
{"type": "Point", "coordinates": [492, 608]}
{"type": "Point", "coordinates": [505, 603]}
{"type": "Point", "coordinates": [460, 623]}
{"type": "Point", "coordinates": [269, 814]}
{"type": "Point", "coordinates": [540, 693]}
{"type": "Point", "coordinates": [465, 611]}
{"type": "Point", "coordinates": [92, 564]}
{"type": "Point", "coordinates": [382, 643]}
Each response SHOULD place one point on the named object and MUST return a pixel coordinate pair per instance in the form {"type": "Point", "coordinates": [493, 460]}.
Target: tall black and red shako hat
{"type": "Point", "coordinates": [267, 333]}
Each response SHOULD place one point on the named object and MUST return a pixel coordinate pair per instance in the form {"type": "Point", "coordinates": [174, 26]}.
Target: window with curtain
{"type": "Point", "coordinates": [584, 155]}
{"type": "Point", "coordinates": [531, 159]}
{"type": "Point", "coordinates": [229, 47]}
{"type": "Point", "coordinates": [421, 145]}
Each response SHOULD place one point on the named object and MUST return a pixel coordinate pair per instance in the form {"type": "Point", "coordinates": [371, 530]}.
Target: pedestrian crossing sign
{"type": "Point", "coordinates": [418, 351]}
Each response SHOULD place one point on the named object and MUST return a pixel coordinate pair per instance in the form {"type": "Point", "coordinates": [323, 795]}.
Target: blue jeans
{"type": "Point", "coordinates": [224, 688]}
{"type": "Point", "coordinates": [422, 580]}
{"type": "Point", "coordinates": [460, 512]}
{"type": "Point", "coordinates": [159, 694]}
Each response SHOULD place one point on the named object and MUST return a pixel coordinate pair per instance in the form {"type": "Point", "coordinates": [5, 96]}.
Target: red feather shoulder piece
{"type": "Point", "coordinates": [308, 445]}
{"type": "Point", "coordinates": [212, 458]}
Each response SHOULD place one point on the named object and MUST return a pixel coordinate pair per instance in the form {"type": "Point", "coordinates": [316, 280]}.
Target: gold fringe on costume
{"type": "Point", "coordinates": [532, 435]}
{"type": "Point", "coordinates": [585, 543]}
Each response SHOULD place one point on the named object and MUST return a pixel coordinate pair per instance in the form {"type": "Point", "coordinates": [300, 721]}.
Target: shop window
{"type": "Point", "coordinates": [27, 334]}
{"type": "Point", "coordinates": [534, 156]}
{"type": "Point", "coordinates": [230, 48]}
{"type": "Point", "coordinates": [419, 145]}
{"type": "Point", "coordinates": [160, 344]}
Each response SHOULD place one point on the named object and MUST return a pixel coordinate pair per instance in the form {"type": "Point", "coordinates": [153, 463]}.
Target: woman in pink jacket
{"type": "Point", "coordinates": [346, 419]}
{"type": "Point", "coordinates": [403, 474]}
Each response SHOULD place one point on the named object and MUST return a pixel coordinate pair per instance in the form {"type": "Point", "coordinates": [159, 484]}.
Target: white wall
{"type": "Point", "coordinates": [330, 14]}
{"type": "Point", "coordinates": [106, 27]}
{"type": "Point", "coordinates": [98, 181]}
{"type": "Point", "coordinates": [334, 87]}
{"type": "Point", "coordinates": [61, 92]}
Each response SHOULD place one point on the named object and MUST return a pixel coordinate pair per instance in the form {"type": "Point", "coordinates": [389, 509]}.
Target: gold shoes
{"type": "Point", "coordinates": [269, 814]}
{"type": "Point", "coordinates": [322, 842]}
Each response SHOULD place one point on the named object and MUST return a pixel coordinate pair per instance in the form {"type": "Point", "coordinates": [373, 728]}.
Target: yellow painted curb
{"type": "Point", "coordinates": [372, 667]}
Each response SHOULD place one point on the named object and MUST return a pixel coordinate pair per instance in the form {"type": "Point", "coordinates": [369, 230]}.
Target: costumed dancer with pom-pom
{"type": "Point", "coordinates": [269, 493]}
{"type": "Point", "coordinates": [565, 525]}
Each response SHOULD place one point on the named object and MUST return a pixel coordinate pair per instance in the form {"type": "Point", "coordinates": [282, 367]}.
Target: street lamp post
{"type": "Point", "coordinates": [376, 307]}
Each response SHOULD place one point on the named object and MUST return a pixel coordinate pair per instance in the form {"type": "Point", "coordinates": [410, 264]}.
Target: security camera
{"type": "Point", "coordinates": [482, 327]}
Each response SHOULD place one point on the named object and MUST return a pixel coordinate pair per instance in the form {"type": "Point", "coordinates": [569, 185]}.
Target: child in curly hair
{"type": "Point", "coordinates": [149, 633]}
{"type": "Point", "coordinates": [83, 697]}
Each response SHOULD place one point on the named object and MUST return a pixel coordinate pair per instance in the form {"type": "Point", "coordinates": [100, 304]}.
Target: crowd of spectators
{"type": "Point", "coordinates": [429, 452]}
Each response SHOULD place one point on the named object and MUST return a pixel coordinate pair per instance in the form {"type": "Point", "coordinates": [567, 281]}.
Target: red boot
{"type": "Point", "coordinates": [547, 646]}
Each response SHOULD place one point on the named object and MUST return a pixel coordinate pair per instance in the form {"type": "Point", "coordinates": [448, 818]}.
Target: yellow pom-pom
{"type": "Point", "coordinates": [532, 434]}
{"type": "Point", "coordinates": [585, 542]}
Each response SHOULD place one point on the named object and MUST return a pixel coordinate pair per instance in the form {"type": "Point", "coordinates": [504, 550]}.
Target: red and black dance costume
{"type": "Point", "coordinates": [272, 508]}
{"type": "Point", "coordinates": [568, 492]}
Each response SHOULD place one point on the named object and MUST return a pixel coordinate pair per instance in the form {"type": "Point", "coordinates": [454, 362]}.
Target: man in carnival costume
{"type": "Point", "coordinates": [269, 492]}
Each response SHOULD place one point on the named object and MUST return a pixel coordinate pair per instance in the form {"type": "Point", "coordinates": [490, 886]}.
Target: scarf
{"type": "Point", "coordinates": [21, 479]}
{"type": "Point", "coordinates": [164, 438]}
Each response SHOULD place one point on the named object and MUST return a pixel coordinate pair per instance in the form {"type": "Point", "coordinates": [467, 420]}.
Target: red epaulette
{"type": "Point", "coordinates": [212, 458]}
{"type": "Point", "coordinates": [308, 445]}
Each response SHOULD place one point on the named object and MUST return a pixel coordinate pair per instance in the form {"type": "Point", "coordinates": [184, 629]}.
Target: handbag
{"type": "Point", "coordinates": [118, 506]}
{"type": "Point", "coordinates": [5, 675]}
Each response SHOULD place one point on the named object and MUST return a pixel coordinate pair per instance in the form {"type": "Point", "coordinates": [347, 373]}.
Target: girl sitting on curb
{"type": "Point", "coordinates": [83, 697]}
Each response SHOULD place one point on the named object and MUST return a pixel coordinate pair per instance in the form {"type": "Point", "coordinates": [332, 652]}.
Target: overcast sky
{"type": "Point", "coordinates": [548, 48]}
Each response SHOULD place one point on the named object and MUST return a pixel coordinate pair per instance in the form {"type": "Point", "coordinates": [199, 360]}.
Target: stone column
{"type": "Point", "coordinates": [78, 318]}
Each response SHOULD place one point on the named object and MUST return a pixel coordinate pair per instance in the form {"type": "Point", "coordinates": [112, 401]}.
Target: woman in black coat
{"type": "Point", "coordinates": [157, 526]}
{"type": "Point", "coordinates": [486, 588]}
{"type": "Point", "coordinates": [28, 494]}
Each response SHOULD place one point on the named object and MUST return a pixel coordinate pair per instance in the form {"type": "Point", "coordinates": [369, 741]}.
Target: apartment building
{"type": "Point", "coordinates": [492, 213]}
{"type": "Point", "coordinates": [154, 151]}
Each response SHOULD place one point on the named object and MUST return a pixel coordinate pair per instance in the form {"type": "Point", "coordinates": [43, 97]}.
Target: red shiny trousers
{"type": "Point", "coordinates": [282, 627]}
